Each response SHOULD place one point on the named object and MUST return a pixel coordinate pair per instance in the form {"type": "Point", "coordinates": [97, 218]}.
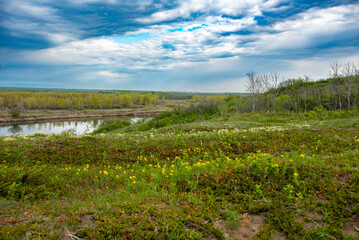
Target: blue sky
{"type": "Point", "coordinates": [183, 45]}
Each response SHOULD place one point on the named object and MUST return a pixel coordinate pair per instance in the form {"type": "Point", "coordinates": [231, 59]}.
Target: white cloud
{"type": "Point", "coordinates": [220, 7]}
{"type": "Point", "coordinates": [112, 74]}
{"type": "Point", "coordinates": [26, 19]}
{"type": "Point", "coordinates": [203, 44]}
{"type": "Point", "coordinates": [205, 51]}
{"type": "Point", "coordinates": [306, 28]}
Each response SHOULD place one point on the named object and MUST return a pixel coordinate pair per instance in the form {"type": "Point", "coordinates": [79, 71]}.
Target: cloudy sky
{"type": "Point", "coordinates": [181, 45]}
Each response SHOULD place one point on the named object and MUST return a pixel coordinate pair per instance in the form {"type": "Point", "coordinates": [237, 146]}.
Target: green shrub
{"type": "Point", "coordinates": [181, 115]}
{"type": "Point", "coordinates": [111, 125]}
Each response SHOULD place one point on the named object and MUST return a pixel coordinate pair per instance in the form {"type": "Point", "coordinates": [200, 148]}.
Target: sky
{"type": "Point", "coordinates": [180, 45]}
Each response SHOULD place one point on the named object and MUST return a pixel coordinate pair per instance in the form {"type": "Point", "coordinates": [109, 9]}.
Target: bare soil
{"type": "Point", "coordinates": [250, 226]}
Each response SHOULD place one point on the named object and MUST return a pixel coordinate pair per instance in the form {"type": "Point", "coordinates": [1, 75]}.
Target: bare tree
{"type": "Point", "coordinates": [274, 79]}
{"type": "Point", "coordinates": [334, 73]}
{"type": "Point", "coordinates": [356, 85]}
{"type": "Point", "coordinates": [348, 71]}
{"type": "Point", "coordinates": [255, 87]}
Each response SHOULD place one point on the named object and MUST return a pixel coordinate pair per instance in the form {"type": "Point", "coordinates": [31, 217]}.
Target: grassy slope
{"type": "Point", "coordinates": [269, 175]}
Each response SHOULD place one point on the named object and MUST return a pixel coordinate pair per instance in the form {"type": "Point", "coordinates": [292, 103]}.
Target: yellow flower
{"type": "Point", "coordinates": [133, 182]}
{"type": "Point", "coordinates": [105, 172]}
{"type": "Point", "coordinates": [295, 174]}
{"type": "Point", "coordinates": [357, 140]}
{"type": "Point", "coordinates": [302, 155]}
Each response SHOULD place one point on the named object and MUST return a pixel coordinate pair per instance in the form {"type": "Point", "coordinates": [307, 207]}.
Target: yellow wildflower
{"type": "Point", "coordinates": [295, 174]}
{"type": "Point", "coordinates": [105, 172]}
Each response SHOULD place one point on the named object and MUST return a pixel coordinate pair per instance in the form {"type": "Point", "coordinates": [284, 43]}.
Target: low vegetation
{"type": "Point", "coordinates": [290, 171]}
{"type": "Point", "coordinates": [247, 176]}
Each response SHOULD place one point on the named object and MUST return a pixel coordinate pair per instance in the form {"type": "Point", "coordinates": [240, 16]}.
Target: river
{"type": "Point", "coordinates": [78, 127]}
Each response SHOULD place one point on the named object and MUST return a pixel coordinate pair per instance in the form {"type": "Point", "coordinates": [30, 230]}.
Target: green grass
{"type": "Point", "coordinates": [199, 180]}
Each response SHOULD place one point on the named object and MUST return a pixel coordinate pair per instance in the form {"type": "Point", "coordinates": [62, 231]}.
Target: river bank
{"type": "Point", "coordinates": [43, 115]}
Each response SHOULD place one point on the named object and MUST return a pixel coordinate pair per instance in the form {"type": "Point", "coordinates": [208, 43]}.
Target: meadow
{"type": "Point", "coordinates": [240, 176]}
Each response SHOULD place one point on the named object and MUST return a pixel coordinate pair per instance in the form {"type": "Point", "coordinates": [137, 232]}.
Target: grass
{"type": "Point", "coordinates": [197, 180]}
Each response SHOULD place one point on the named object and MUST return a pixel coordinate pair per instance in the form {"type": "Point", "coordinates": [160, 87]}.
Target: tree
{"type": "Point", "coordinates": [334, 73]}
{"type": "Point", "coordinates": [255, 87]}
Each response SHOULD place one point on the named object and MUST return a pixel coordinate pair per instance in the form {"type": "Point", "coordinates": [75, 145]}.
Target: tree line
{"type": "Point", "coordinates": [270, 92]}
{"type": "Point", "coordinates": [74, 100]}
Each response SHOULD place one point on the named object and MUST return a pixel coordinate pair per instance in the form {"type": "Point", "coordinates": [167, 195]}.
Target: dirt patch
{"type": "Point", "coordinates": [351, 227]}
{"type": "Point", "coordinates": [88, 221]}
{"type": "Point", "coordinates": [248, 229]}
{"type": "Point", "coordinates": [311, 220]}
{"type": "Point", "coordinates": [279, 236]}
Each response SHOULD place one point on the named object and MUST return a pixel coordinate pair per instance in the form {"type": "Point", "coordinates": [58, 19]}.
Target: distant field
{"type": "Point", "coordinates": [244, 176]}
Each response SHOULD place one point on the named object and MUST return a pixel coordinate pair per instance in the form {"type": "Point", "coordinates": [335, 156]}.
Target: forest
{"type": "Point", "coordinates": [271, 93]}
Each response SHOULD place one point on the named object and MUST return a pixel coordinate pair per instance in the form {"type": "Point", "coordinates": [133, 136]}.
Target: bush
{"type": "Point", "coordinates": [111, 125]}
{"type": "Point", "coordinates": [15, 112]}
{"type": "Point", "coordinates": [181, 115]}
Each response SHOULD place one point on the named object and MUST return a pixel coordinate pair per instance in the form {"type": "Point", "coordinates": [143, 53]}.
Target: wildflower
{"type": "Point", "coordinates": [302, 155]}
{"type": "Point", "coordinates": [295, 174]}
{"type": "Point", "coordinates": [133, 182]}
{"type": "Point", "coordinates": [357, 140]}
{"type": "Point", "coordinates": [105, 172]}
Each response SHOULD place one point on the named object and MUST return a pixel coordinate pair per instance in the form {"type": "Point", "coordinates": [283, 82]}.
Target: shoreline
{"type": "Point", "coordinates": [78, 115]}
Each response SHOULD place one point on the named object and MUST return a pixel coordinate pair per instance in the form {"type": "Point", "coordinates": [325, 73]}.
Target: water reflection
{"type": "Point", "coordinates": [78, 127]}
{"type": "Point", "coordinates": [14, 129]}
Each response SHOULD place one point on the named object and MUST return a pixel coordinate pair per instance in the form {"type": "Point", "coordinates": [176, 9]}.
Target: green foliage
{"type": "Point", "coordinates": [75, 100]}
{"type": "Point", "coordinates": [194, 180]}
{"type": "Point", "coordinates": [15, 112]}
{"type": "Point", "coordinates": [111, 125]}
{"type": "Point", "coordinates": [181, 115]}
